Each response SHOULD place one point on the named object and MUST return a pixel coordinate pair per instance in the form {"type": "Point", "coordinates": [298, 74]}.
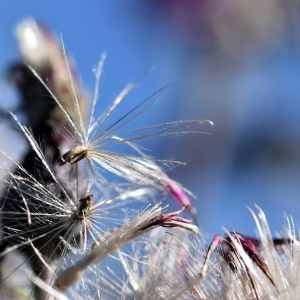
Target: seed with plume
{"type": "Point", "coordinates": [114, 240]}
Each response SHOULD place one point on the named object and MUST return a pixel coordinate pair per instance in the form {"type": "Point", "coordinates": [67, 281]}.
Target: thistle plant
{"type": "Point", "coordinates": [57, 200]}
{"type": "Point", "coordinates": [59, 210]}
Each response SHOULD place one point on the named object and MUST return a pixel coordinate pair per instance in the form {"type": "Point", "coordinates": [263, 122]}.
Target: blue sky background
{"type": "Point", "coordinates": [147, 47]}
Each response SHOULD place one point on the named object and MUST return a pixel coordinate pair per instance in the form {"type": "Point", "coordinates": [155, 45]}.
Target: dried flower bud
{"type": "Point", "coordinates": [173, 220]}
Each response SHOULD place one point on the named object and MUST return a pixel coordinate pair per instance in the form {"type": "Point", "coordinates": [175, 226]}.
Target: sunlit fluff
{"type": "Point", "coordinates": [174, 266]}
{"type": "Point", "coordinates": [47, 214]}
{"type": "Point", "coordinates": [116, 239]}
{"type": "Point", "coordinates": [91, 136]}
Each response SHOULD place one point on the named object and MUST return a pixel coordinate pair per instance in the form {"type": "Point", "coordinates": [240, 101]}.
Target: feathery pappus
{"type": "Point", "coordinates": [175, 265]}
{"type": "Point", "coordinates": [43, 220]}
{"type": "Point", "coordinates": [113, 241]}
{"type": "Point", "coordinates": [81, 277]}
{"type": "Point", "coordinates": [92, 136]}
{"type": "Point", "coordinates": [58, 202]}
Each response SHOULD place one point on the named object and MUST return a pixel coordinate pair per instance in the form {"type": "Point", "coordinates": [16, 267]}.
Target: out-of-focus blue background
{"type": "Point", "coordinates": [236, 62]}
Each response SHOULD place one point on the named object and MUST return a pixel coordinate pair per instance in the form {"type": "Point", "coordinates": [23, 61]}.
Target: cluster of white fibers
{"type": "Point", "coordinates": [173, 264]}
